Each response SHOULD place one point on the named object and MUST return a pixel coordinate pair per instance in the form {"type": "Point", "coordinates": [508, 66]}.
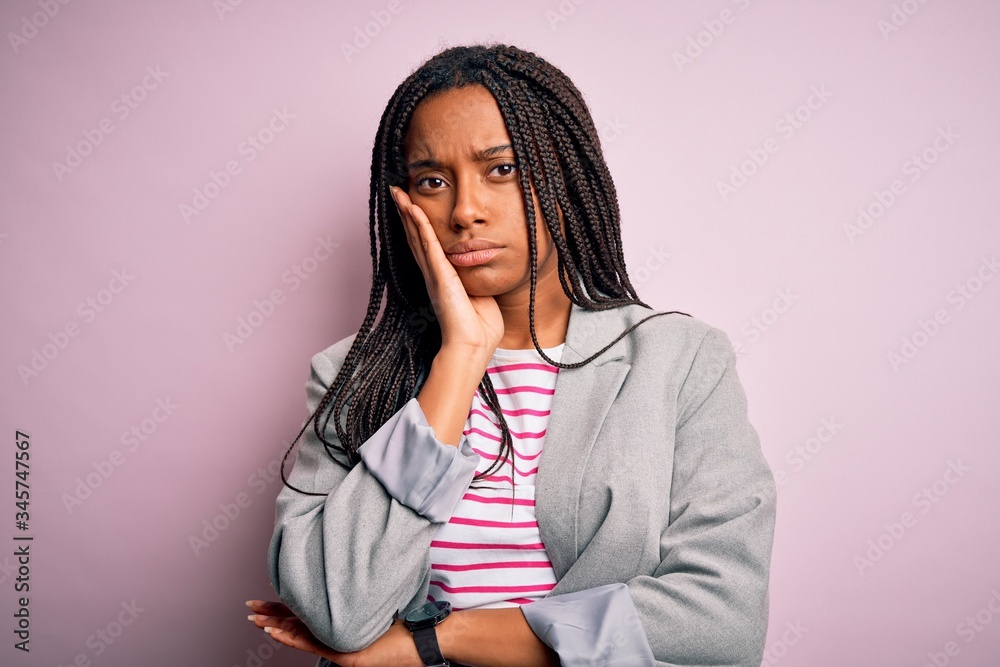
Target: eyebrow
{"type": "Point", "coordinates": [482, 156]}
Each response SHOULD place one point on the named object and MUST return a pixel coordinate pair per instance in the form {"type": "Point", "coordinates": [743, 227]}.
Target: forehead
{"type": "Point", "coordinates": [457, 120]}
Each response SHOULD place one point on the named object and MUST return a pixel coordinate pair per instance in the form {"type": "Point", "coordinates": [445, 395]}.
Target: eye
{"type": "Point", "coordinates": [426, 181]}
{"type": "Point", "coordinates": [512, 168]}
{"type": "Point", "coordinates": [419, 182]}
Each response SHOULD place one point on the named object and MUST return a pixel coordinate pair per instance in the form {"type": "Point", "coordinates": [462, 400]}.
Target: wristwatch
{"type": "Point", "coordinates": [421, 622]}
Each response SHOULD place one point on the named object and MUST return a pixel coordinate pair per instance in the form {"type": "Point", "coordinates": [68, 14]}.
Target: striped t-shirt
{"type": "Point", "coordinates": [490, 553]}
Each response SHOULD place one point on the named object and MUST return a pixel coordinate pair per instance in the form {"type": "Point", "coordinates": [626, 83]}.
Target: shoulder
{"type": "Point", "coordinates": [326, 363]}
{"type": "Point", "coordinates": [676, 335]}
{"type": "Point", "coordinates": [690, 357]}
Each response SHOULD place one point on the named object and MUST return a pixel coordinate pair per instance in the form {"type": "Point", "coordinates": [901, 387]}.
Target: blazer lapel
{"type": "Point", "coordinates": [580, 404]}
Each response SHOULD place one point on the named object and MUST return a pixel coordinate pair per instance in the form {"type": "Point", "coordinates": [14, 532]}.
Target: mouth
{"type": "Point", "coordinates": [473, 258]}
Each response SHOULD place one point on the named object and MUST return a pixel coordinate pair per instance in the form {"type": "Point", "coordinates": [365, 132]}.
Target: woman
{"type": "Point", "coordinates": [641, 535]}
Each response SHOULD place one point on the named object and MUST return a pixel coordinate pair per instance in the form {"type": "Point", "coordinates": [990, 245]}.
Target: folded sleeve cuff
{"type": "Point", "coordinates": [595, 626]}
{"type": "Point", "coordinates": [415, 467]}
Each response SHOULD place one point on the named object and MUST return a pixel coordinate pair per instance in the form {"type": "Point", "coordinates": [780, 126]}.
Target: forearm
{"type": "Point", "coordinates": [348, 607]}
{"type": "Point", "coordinates": [493, 638]}
{"type": "Point", "coordinates": [452, 375]}
{"type": "Point", "coordinates": [345, 571]}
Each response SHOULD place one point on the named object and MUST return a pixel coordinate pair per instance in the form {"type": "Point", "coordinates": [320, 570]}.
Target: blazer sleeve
{"type": "Point", "coordinates": [707, 601]}
{"type": "Point", "coordinates": [347, 561]}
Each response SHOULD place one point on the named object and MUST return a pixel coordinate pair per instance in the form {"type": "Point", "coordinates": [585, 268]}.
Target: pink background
{"type": "Point", "coordinates": [815, 311]}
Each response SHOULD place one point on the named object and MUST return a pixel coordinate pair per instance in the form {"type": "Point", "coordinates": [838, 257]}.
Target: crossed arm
{"type": "Point", "coordinates": [346, 562]}
{"type": "Point", "coordinates": [480, 637]}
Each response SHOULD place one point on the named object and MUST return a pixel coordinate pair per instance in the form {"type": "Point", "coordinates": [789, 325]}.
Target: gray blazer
{"type": "Point", "coordinates": [653, 499]}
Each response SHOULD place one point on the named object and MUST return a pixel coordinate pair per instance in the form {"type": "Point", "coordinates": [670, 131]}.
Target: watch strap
{"type": "Point", "coordinates": [427, 647]}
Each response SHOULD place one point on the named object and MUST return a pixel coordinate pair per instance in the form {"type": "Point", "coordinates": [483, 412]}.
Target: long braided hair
{"type": "Point", "coordinates": [557, 148]}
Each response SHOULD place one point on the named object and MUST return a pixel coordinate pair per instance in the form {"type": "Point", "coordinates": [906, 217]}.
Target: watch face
{"type": "Point", "coordinates": [428, 613]}
{"type": "Point", "coordinates": [425, 613]}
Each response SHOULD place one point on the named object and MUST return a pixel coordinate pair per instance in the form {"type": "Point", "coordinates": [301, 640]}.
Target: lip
{"type": "Point", "coordinates": [470, 245]}
{"type": "Point", "coordinates": [474, 257]}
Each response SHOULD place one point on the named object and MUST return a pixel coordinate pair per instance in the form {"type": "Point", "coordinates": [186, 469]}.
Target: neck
{"type": "Point", "coordinates": [552, 309]}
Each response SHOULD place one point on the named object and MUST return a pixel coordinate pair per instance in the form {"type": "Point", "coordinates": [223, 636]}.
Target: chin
{"type": "Point", "coordinates": [478, 287]}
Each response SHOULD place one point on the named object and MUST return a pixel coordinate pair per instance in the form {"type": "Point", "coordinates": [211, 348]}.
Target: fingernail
{"type": "Point", "coordinates": [253, 603]}
{"type": "Point", "coordinates": [272, 630]}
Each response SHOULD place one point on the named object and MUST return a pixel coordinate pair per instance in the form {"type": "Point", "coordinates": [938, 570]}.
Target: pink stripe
{"type": "Point", "coordinates": [522, 473]}
{"type": "Point", "coordinates": [495, 565]}
{"type": "Point", "coordinates": [514, 435]}
{"type": "Point", "coordinates": [525, 411]}
{"type": "Point", "coordinates": [520, 457]}
{"type": "Point", "coordinates": [482, 545]}
{"type": "Point", "coordinates": [492, 589]}
{"type": "Point", "coordinates": [492, 524]}
{"type": "Point", "coordinates": [513, 413]}
{"type": "Point", "coordinates": [525, 388]}
{"type": "Point", "coordinates": [526, 366]}
{"type": "Point", "coordinates": [482, 413]}
{"type": "Point", "coordinates": [499, 478]}
{"type": "Point", "coordinates": [520, 601]}
{"type": "Point", "coordinates": [498, 501]}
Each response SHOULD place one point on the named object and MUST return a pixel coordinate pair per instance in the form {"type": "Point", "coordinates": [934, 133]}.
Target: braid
{"type": "Point", "coordinates": [558, 150]}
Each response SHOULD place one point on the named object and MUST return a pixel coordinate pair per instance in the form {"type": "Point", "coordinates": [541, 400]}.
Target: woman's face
{"type": "Point", "coordinates": [461, 173]}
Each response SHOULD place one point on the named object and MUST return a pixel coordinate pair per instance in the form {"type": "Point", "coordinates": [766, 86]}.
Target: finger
{"type": "Point", "coordinates": [263, 620]}
{"type": "Point", "coordinates": [296, 635]}
{"type": "Point", "coordinates": [402, 201]}
{"type": "Point", "coordinates": [413, 232]}
{"type": "Point", "coordinates": [292, 627]}
{"type": "Point", "coordinates": [289, 638]}
{"type": "Point", "coordinates": [260, 620]}
{"type": "Point", "coordinates": [432, 246]}
{"type": "Point", "coordinates": [424, 233]}
{"type": "Point", "coordinates": [394, 194]}
{"type": "Point", "coordinates": [410, 226]}
{"type": "Point", "coordinates": [269, 608]}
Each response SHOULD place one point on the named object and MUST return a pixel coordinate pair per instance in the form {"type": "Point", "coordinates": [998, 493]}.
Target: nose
{"type": "Point", "coordinates": [470, 202]}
